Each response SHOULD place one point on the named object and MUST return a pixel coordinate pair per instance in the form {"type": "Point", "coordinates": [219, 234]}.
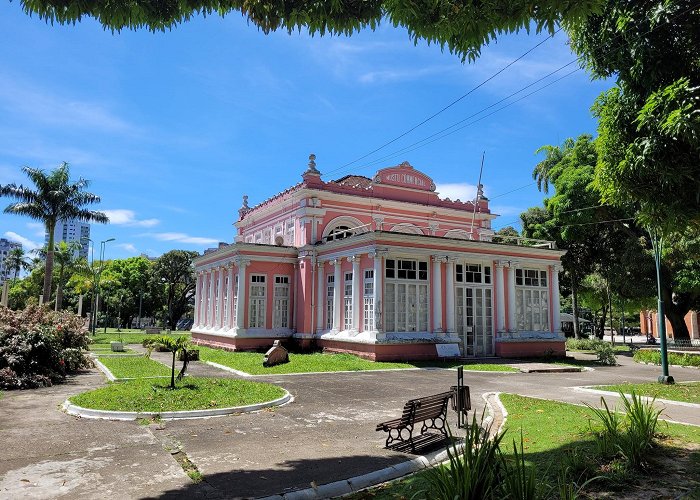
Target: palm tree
{"type": "Point", "coordinates": [16, 260]}
{"type": "Point", "coordinates": [542, 172]}
{"type": "Point", "coordinates": [173, 345]}
{"type": "Point", "coordinates": [54, 199]}
{"type": "Point", "coordinates": [67, 258]}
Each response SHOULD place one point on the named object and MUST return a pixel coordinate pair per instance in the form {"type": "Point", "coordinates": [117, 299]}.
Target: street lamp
{"type": "Point", "coordinates": [657, 243]}
{"type": "Point", "coordinates": [167, 298]}
{"type": "Point", "coordinates": [97, 273]}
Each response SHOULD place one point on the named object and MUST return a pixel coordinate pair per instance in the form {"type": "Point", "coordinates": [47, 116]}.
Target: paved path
{"type": "Point", "coordinates": [326, 434]}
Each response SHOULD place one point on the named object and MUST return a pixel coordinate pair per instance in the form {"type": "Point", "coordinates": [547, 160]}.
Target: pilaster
{"type": "Point", "coordinates": [437, 293]}
{"type": "Point", "coordinates": [450, 295]}
{"type": "Point", "coordinates": [356, 291]}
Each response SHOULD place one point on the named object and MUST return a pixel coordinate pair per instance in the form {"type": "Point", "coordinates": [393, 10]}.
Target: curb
{"type": "Point", "coordinates": [646, 399]}
{"type": "Point", "coordinates": [358, 483]}
{"type": "Point", "coordinates": [78, 411]}
{"type": "Point", "coordinates": [110, 376]}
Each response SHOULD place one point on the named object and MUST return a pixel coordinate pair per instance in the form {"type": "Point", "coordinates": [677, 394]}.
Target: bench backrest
{"type": "Point", "coordinates": [424, 408]}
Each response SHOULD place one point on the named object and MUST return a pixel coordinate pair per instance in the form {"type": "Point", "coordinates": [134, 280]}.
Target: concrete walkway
{"type": "Point", "coordinates": [326, 435]}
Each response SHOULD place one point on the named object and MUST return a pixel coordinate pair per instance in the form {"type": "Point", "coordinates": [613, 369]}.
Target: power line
{"type": "Point", "coordinates": [418, 144]}
{"type": "Point", "coordinates": [445, 108]}
{"type": "Point", "coordinates": [447, 132]}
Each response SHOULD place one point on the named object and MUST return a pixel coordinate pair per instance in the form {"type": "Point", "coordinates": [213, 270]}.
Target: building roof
{"type": "Point", "coordinates": [356, 181]}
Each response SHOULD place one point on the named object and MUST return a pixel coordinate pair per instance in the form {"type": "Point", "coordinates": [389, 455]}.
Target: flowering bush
{"type": "Point", "coordinates": [38, 347]}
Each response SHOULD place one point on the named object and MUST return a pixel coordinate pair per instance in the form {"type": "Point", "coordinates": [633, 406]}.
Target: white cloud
{"type": "Point", "coordinates": [27, 244]}
{"type": "Point", "coordinates": [29, 101]}
{"type": "Point", "coordinates": [124, 217]}
{"type": "Point", "coordinates": [391, 75]}
{"type": "Point", "coordinates": [128, 247]}
{"type": "Point", "coordinates": [456, 191]}
{"type": "Point", "coordinates": [506, 210]}
{"type": "Point", "coordinates": [183, 238]}
{"type": "Point", "coordinates": [38, 229]}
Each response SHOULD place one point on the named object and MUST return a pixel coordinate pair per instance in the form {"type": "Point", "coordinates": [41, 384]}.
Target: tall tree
{"type": "Point", "coordinates": [462, 27]}
{"type": "Point", "coordinates": [173, 273]}
{"type": "Point", "coordinates": [54, 198]}
{"type": "Point", "coordinates": [649, 124]}
{"type": "Point", "coordinates": [16, 259]}
{"type": "Point", "coordinates": [67, 260]}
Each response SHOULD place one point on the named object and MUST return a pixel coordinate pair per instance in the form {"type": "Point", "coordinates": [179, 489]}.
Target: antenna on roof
{"type": "Point", "coordinates": [479, 193]}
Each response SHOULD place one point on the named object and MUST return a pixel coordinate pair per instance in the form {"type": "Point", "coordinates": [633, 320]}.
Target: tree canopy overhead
{"type": "Point", "coordinates": [461, 26]}
{"type": "Point", "coordinates": [649, 125]}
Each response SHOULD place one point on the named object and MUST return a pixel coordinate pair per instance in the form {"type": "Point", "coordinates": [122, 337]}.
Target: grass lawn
{"type": "Point", "coordinates": [690, 393]}
{"type": "Point", "coordinates": [251, 362]}
{"type": "Point", "coordinates": [550, 431]}
{"type": "Point", "coordinates": [191, 394]}
{"type": "Point", "coordinates": [102, 340]}
{"type": "Point", "coordinates": [134, 366]}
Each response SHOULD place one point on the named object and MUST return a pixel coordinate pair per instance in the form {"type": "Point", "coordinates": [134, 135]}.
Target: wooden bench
{"type": "Point", "coordinates": [431, 411]}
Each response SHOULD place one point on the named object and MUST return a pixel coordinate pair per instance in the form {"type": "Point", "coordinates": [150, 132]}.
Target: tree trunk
{"type": "Point", "coordinates": [676, 315]}
{"type": "Point", "coordinates": [172, 373]}
{"type": "Point", "coordinates": [601, 321]}
{"type": "Point", "coordinates": [574, 306]}
{"type": "Point", "coordinates": [59, 291]}
{"type": "Point", "coordinates": [48, 265]}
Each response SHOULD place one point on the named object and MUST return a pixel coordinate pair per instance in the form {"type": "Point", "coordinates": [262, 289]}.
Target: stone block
{"type": "Point", "coordinates": [276, 355]}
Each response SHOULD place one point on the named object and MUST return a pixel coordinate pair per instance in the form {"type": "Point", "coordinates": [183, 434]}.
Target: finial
{"type": "Point", "coordinates": [244, 207]}
{"type": "Point", "coordinates": [312, 165]}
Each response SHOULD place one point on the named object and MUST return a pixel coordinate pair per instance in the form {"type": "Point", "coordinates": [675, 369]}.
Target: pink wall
{"type": "Point", "coordinates": [270, 270]}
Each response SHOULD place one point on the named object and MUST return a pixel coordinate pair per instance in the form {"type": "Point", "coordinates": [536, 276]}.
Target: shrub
{"type": "Point", "coordinates": [606, 354]}
{"type": "Point", "coordinates": [674, 358]}
{"type": "Point", "coordinates": [630, 437]}
{"type": "Point", "coordinates": [583, 344]}
{"type": "Point", "coordinates": [520, 480]}
{"type": "Point", "coordinates": [38, 347]}
{"type": "Point", "coordinates": [474, 472]}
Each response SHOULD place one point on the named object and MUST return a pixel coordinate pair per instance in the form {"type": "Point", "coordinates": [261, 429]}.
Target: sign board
{"type": "Point", "coordinates": [406, 176]}
{"type": "Point", "coordinates": [447, 350]}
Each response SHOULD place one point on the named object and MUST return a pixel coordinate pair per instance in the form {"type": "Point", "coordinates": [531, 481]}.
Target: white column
{"type": "Point", "coordinates": [378, 291]}
{"type": "Point", "coordinates": [197, 292]}
{"type": "Point", "coordinates": [437, 294]}
{"type": "Point", "coordinates": [500, 298]}
{"type": "Point", "coordinates": [210, 309]}
{"type": "Point", "coordinates": [337, 296]}
{"type": "Point", "coordinates": [450, 295]}
{"type": "Point", "coordinates": [229, 297]}
{"type": "Point", "coordinates": [220, 322]}
{"type": "Point", "coordinates": [357, 281]}
{"type": "Point", "coordinates": [320, 296]}
{"type": "Point", "coordinates": [512, 326]}
{"type": "Point", "coordinates": [295, 294]}
{"type": "Point", "coordinates": [241, 295]}
{"type": "Point", "coordinates": [554, 302]}
{"type": "Point", "coordinates": [80, 304]}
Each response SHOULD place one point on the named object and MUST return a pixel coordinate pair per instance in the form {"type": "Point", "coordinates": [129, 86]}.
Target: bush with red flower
{"type": "Point", "coordinates": [38, 347]}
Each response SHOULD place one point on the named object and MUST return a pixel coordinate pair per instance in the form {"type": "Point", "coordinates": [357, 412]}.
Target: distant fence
{"type": "Point", "coordinates": [684, 345]}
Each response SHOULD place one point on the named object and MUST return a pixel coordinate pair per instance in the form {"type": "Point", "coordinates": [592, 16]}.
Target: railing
{"type": "Point", "coordinates": [684, 345]}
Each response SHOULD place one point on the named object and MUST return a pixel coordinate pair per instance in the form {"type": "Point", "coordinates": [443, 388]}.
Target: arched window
{"type": "Point", "coordinates": [343, 227]}
{"type": "Point", "coordinates": [407, 228]}
{"type": "Point", "coordinates": [339, 233]}
{"type": "Point", "coordinates": [459, 234]}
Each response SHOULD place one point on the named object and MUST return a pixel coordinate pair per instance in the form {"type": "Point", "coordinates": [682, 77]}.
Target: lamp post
{"type": "Point", "coordinates": [97, 273]}
{"type": "Point", "coordinates": [657, 243]}
{"type": "Point", "coordinates": [167, 299]}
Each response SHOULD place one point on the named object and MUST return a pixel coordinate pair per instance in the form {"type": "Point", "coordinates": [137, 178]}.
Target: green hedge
{"type": "Point", "coordinates": [674, 358]}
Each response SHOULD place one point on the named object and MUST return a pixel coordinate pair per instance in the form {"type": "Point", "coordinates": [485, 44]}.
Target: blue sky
{"type": "Point", "coordinates": [173, 128]}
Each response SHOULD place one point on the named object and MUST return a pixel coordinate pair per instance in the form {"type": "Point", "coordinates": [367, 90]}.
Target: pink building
{"type": "Point", "coordinates": [382, 268]}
